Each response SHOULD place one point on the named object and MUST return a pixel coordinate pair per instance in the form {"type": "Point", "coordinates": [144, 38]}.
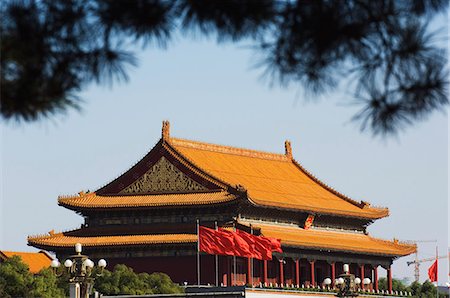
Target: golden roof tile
{"type": "Point", "coordinates": [62, 240]}
{"type": "Point", "coordinates": [333, 240]}
{"type": "Point", "coordinates": [274, 180]}
{"type": "Point", "coordinates": [93, 200]}
{"type": "Point", "coordinates": [35, 260]}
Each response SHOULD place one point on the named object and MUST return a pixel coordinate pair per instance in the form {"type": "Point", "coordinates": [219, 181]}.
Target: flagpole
{"type": "Point", "coordinates": [251, 261]}
{"type": "Point", "coordinates": [198, 253]}
{"type": "Point", "coordinates": [234, 260]}
{"type": "Point", "coordinates": [437, 272]}
{"type": "Point", "coordinates": [217, 261]}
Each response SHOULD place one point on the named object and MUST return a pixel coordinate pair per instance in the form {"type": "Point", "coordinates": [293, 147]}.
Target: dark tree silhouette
{"type": "Point", "coordinates": [51, 49]}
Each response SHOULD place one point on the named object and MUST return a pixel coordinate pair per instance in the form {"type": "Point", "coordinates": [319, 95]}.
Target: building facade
{"type": "Point", "coordinates": [146, 218]}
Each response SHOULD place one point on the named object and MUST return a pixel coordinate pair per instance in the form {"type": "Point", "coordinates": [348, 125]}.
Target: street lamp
{"type": "Point", "coordinates": [346, 283]}
{"type": "Point", "coordinates": [80, 268]}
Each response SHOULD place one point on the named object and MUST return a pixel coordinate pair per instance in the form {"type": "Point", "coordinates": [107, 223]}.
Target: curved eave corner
{"type": "Point", "coordinates": [377, 212]}
{"type": "Point", "coordinates": [373, 216]}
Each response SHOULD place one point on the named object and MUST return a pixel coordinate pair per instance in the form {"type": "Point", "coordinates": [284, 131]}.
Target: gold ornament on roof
{"type": "Point", "coordinates": [163, 176]}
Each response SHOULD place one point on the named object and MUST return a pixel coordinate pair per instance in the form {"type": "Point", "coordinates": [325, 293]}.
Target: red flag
{"type": "Point", "coordinates": [433, 271]}
{"type": "Point", "coordinates": [241, 248]}
{"type": "Point", "coordinates": [240, 243]}
{"type": "Point", "coordinates": [276, 244]}
{"type": "Point", "coordinates": [261, 246]}
{"type": "Point", "coordinates": [215, 242]}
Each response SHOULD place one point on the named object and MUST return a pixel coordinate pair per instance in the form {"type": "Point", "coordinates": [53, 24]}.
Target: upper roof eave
{"type": "Point", "coordinates": [325, 211]}
{"type": "Point", "coordinates": [86, 201]}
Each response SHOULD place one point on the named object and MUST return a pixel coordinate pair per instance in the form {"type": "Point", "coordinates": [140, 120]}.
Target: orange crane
{"type": "Point", "coordinates": [417, 263]}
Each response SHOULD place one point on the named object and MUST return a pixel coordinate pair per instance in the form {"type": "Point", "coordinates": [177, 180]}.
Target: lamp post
{"type": "Point", "coordinates": [80, 269]}
{"type": "Point", "coordinates": [346, 283]}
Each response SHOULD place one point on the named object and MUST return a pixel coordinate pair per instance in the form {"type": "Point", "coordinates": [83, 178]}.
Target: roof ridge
{"type": "Point", "coordinates": [228, 149]}
{"type": "Point", "coordinates": [82, 194]}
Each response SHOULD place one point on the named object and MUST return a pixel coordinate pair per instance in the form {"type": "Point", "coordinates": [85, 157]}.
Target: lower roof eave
{"type": "Point", "coordinates": [349, 251]}
{"type": "Point", "coordinates": [90, 247]}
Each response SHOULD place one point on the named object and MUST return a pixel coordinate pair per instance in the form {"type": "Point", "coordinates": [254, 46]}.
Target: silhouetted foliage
{"type": "Point", "coordinates": [52, 49]}
{"type": "Point", "coordinates": [124, 281]}
{"type": "Point", "coordinates": [397, 285]}
{"type": "Point", "coordinates": [17, 281]}
{"type": "Point", "coordinates": [424, 290]}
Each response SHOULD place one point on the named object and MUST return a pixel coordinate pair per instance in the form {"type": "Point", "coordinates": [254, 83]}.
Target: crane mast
{"type": "Point", "coordinates": [416, 261]}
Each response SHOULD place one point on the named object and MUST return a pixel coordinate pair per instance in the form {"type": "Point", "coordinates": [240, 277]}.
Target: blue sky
{"type": "Point", "coordinates": [212, 93]}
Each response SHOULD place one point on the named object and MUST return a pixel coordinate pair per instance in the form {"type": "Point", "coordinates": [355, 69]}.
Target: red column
{"type": "Point", "coordinates": [333, 273]}
{"type": "Point", "coordinates": [281, 271]}
{"type": "Point", "coordinates": [375, 277]}
{"type": "Point", "coordinates": [265, 272]}
{"type": "Point", "coordinates": [313, 275]}
{"type": "Point", "coordinates": [362, 272]}
{"type": "Point", "coordinates": [297, 272]}
{"type": "Point", "coordinates": [224, 271]}
{"type": "Point", "coordinates": [249, 271]}
{"type": "Point", "coordinates": [389, 279]}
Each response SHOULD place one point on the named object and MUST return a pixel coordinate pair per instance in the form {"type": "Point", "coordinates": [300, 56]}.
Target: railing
{"type": "Point", "coordinates": [326, 290]}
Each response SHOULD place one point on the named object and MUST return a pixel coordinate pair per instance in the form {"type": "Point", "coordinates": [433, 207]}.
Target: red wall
{"type": "Point", "coordinates": [179, 268]}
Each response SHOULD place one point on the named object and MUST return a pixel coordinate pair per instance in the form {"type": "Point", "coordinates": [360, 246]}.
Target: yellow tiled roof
{"type": "Point", "coordinates": [93, 200]}
{"type": "Point", "coordinates": [334, 240]}
{"type": "Point", "coordinates": [289, 235]}
{"type": "Point", "coordinates": [35, 260]}
{"type": "Point", "coordinates": [274, 180]}
{"type": "Point", "coordinates": [62, 240]}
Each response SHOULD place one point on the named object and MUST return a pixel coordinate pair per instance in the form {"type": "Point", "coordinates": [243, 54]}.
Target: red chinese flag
{"type": "Point", "coordinates": [433, 272]}
{"type": "Point", "coordinates": [215, 242]}
{"type": "Point", "coordinates": [276, 244]}
{"type": "Point", "coordinates": [261, 246]}
{"type": "Point", "coordinates": [241, 247]}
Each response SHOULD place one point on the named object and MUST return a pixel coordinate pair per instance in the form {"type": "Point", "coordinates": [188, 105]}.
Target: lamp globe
{"type": "Point", "coordinates": [68, 263]}
{"type": "Point", "coordinates": [55, 263]}
{"type": "Point", "coordinates": [102, 263]}
{"type": "Point", "coordinates": [78, 248]}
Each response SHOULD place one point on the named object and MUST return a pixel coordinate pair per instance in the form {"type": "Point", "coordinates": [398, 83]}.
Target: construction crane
{"type": "Point", "coordinates": [417, 263]}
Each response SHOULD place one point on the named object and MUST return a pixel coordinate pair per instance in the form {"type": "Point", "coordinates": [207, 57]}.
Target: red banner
{"type": "Point", "coordinates": [239, 243]}
{"type": "Point", "coordinates": [309, 221]}
{"type": "Point", "coordinates": [433, 272]}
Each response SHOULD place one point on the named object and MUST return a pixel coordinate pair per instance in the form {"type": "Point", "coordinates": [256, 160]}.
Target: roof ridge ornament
{"type": "Point", "coordinates": [165, 133]}
{"type": "Point", "coordinates": [288, 148]}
